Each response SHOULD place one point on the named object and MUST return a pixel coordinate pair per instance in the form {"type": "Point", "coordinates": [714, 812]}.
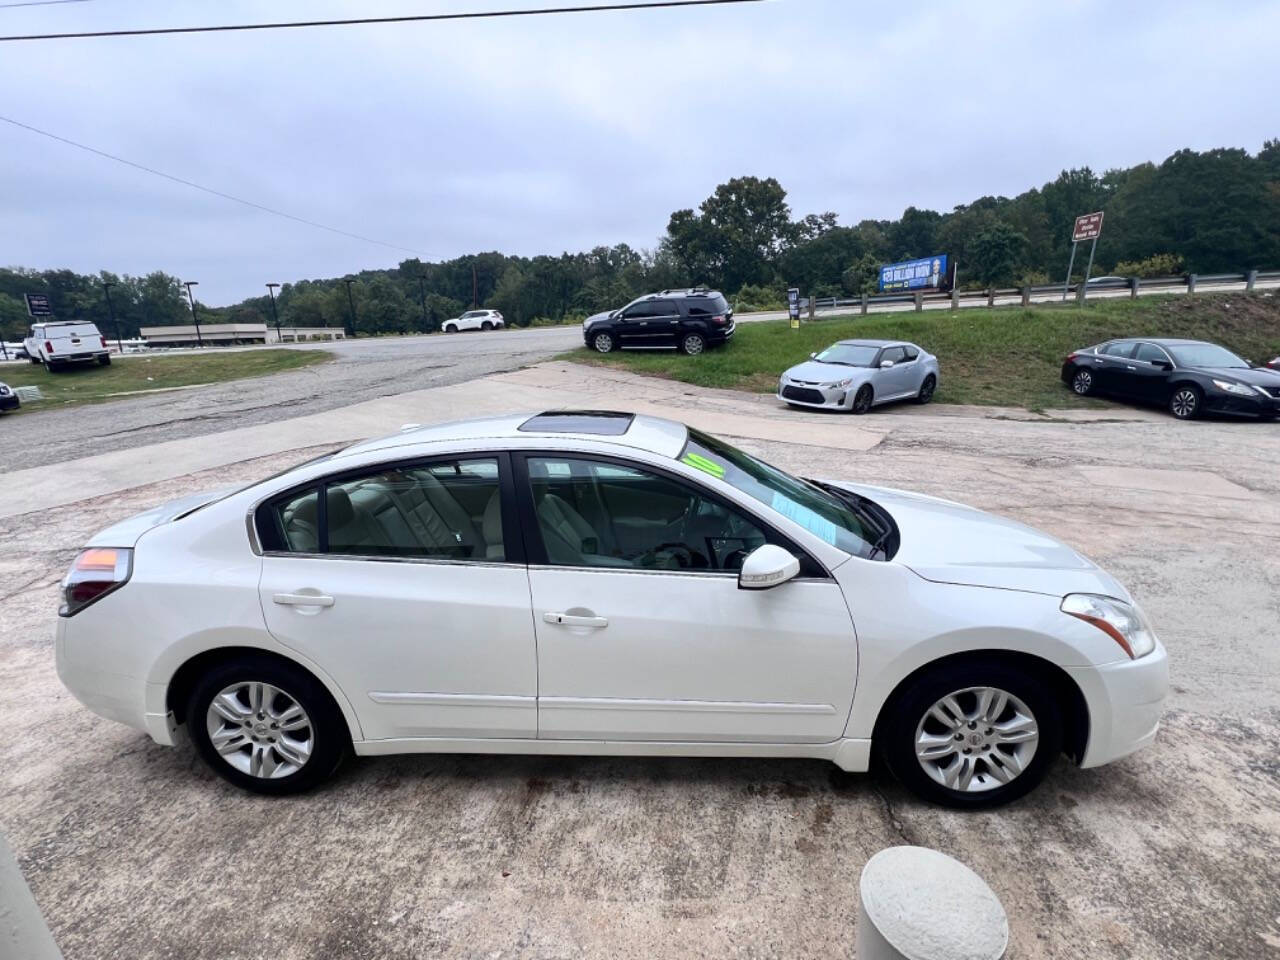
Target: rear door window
{"type": "Point", "coordinates": [1117, 349]}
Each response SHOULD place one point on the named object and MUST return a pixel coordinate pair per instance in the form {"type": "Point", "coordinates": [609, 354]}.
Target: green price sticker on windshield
{"type": "Point", "coordinates": [699, 462]}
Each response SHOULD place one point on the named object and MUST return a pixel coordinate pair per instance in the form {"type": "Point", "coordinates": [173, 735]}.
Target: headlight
{"type": "Point", "coordinates": [840, 383]}
{"type": "Point", "coordinates": [1241, 389]}
{"type": "Point", "coordinates": [1123, 622]}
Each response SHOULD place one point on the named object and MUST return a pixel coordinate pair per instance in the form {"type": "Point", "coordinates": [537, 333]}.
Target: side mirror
{"type": "Point", "coordinates": [767, 566]}
{"type": "Point", "coordinates": [1163, 365]}
{"type": "Point", "coordinates": [886, 364]}
{"type": "Point", "coordinates": [813, 356]}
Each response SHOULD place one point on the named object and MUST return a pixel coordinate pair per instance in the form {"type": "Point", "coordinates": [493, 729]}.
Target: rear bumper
{"type": "Point", "coordinates": [77, 357]}
{"type": "Point", "coordinates": [116, 696]}
{"type": "Point", "coordinates": [1126, 700]}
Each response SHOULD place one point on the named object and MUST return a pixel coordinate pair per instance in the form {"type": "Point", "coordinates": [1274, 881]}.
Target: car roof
{"type": "Point", "coordinates": [874, 343]}
{"type": "Point", "coordinates": [1158, 341]}
{"type": "Point", "coordinates": [638, 431]}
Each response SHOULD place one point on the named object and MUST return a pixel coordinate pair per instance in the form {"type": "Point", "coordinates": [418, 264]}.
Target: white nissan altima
{"type": "Point", "coordinates": [603, 583]}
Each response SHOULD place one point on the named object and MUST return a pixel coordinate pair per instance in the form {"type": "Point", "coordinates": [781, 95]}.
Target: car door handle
{"type": "Point", "coordinates": [1131, 366]}
{"type": "Point", "coordinates": [302, 600]}
{"type": "Point", "coordinates": [569, 620]}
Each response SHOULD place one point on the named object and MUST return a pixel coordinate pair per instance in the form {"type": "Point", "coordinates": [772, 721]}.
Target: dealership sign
{"type": "Point", "coordinates": [1088, 227]}
{"type": "Point", "coordinates": [38, 305]}
{"type": "Point", "coordinates": [927, 274]}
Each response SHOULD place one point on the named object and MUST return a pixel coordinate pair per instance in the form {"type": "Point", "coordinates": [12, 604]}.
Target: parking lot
{"type": "Point", "coordinates": [137, 850]}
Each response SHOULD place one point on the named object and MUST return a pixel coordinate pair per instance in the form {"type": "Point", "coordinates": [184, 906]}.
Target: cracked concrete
{"type": "Point", "coordinates": [134, 849]}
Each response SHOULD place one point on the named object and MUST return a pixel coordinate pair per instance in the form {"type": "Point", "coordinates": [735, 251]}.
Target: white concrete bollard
{"type": "Point", "coordinates": [919, 904]}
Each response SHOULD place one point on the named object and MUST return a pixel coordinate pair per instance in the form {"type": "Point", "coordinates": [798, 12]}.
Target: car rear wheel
{"type": "Point", "coordinates": [1082, 383]}
{"type": "Point", "coordinates": [486, 325]}
{"type": "Point", "coordinates": [926, 389]}
{"type": "Point", "coordinates": [104, 361]}
{"type": "Point", "coordinates": [266, 726]}
{"type": "Point", "coordinates": [1185, 403]}
{"type": "Point", "coordinates": [978, 734]}
{"type": "Point", "coordinates": [603, 342]}
{"type": "Point", "coordinates": [693, 344]}
{"type": "Point", "coordinates": [862, 399]}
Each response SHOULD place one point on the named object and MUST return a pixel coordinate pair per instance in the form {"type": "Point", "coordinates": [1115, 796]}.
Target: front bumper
{"type": "Point", "coordinates": [816, 396]}
{"type": "Point", "coordinates": [10, 401]}
{"type": "Point", "coordinates": [1126, 700]}
{"type": "Point", "coordinates": [1219, 401]}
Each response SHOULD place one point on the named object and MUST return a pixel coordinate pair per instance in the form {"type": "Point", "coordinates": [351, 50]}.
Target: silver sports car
{"type": "Point", "coordinates": [858, 374]}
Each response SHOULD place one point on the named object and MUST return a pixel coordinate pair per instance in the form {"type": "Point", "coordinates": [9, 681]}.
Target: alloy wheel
{"type": "Point", "coordinates": [260, 730]}
{"type": "Point", "coordinates": [693, 344]}
{"type": "Point", "coordinates": [862, 400]}
{"type": "Point", "coordinates": [603, 342]}
{"type": "Point", "coordinates": [926, 389]}
{"type": "Point", "coordinates": [1184, 404]}
{"type": "Point", "coordinates": [976, 739]}
{"type": "Point", "coordinates": [1082, 382]}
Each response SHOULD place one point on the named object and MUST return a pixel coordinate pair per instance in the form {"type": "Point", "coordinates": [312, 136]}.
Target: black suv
{"type": "Point", "coordinates": [690, 320]}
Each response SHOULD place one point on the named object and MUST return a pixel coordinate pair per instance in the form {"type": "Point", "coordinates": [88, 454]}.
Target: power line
{"type": "Point", "coordinates": [38, 3]}
{"type": "Point", "coordinates": [216, 193]}
{"type": "Point", "coordinates": [479, 15]}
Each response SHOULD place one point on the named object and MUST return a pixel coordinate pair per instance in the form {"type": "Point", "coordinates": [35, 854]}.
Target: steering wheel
{"type": "Point", "coordinates": [683, 555]}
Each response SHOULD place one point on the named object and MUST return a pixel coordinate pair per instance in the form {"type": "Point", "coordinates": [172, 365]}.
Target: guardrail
{"type": "Point", "coordinates": [1047, 293]}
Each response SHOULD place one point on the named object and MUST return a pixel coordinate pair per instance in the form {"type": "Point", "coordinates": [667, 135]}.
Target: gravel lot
{"type": "Point", "coordinates": [361, 370]}
{"type": "Point", "coordinates": [135, 850]}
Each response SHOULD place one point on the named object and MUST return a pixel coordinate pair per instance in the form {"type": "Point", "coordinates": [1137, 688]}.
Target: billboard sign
{"type": "Point", "coordinates": [930, 273]}
{"type": "Point", "coordinates": [38, 305]}
{"type": "Point", "coordinates": [1088, 227]}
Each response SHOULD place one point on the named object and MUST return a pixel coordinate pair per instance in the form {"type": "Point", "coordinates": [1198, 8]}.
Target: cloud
{"type": "Point", "coordinates": [540, 135]}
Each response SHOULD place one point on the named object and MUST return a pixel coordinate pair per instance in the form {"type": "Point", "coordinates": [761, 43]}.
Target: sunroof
{"type": "Point", "coordinates": [603, 423]}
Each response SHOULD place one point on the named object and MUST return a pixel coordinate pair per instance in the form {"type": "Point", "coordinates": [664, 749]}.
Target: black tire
{"type": "Point", "coordinates": [486, 325]}
{"type": "Point", "coordinates": [1082, 382]}
{"type": "Point", "coordinates": [603, 342]}
{"type": "Point", "coordinates": [35, 361]}
{"type": "Point", "coordinates": [909, 712]}
{"type": "Point", "coordinates": [926, 389]}
{"type": "Point", "coordinates": [331, 739]}
{"type": "Point", "coordinates": [1186, 401]}
{"type": "Point", "coordinates": [693, 344]}
{"type": "Point", "coordinates": [862, 399]}
{"type": "Point", "coordinates": [450, 329]}
{"type": "Point", "coordinates": [104, 361]}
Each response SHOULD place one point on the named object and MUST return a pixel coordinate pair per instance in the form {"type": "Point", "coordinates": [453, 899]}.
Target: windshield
{"type": "Point", "coordinates": [1205, 355]}
{"type": "Point", "coordinates": [849, 355]}
{"type": "Point", "coordinates": [822, 514]}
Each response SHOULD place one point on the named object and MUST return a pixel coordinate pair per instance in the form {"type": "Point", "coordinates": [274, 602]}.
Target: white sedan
{"type": "Point", "coordinates": [603, 583]}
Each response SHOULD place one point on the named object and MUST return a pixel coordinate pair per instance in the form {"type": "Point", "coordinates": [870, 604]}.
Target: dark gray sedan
{"type": "Point", "coordinates": [855, 375]}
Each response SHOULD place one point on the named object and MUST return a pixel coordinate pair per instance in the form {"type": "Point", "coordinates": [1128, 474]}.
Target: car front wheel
{"type": "Point", "coordinates": [978, 734]}
{"type": "Point", "coordinates": [926, 389]}
{"type": "Point", "coordinates": [1185, 403]}
{"type": "Point", "coordinates": [862, 399]}
{"type": "Point", "coordinates": [603, 342]}
{"type": "Point", "coordinates": [266, 726]}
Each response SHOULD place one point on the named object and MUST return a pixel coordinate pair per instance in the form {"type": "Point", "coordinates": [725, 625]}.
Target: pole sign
{"type": "Point", "coordinates": [929, 273]}
{"type": "Point", "coordinates": [793, 307]}
{"type": "Point", "coordinates": [38, 305]}
{"type": "Point", "coordinates": [1088, 227]}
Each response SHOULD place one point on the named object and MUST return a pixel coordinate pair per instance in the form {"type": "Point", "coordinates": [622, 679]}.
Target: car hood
{"type": "Point", "coordinates": [947, 542]}
{"type": "Point", "coordinates": [127, 532]}
{"type": "Point", "coordinates": [815, 372]}
{"type": "Point", "coordinates": [605, 315]}
{"type": "Point", "coordinates": [1258, 376]}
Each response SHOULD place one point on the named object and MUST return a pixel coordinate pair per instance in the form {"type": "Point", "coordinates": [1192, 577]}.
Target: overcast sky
{"type": "Point", "coordinates": [539, 135]}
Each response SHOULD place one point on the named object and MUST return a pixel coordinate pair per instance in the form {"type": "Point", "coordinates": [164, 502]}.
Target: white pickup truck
{"type": "Point", "coordinates": [59, 343]}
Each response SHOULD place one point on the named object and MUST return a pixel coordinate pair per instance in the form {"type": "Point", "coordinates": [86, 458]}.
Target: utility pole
{"type": "Point", "coordinates": [111, 312]}
{"type": "Point", "coordinates": [352, 304]}
{"type": "Point", "coordinates": [422, 292]}
{"type": "Point", "coordinates": [271, 292]}
{"type": "Point", "coordinates": [475, 288]}
{"type": "Point", "coordinates": [194, 316]}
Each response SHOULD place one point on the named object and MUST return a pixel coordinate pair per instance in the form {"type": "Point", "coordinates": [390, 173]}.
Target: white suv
{"type": "Point", "coordinates": [475, 320]}
{"type": "Point", "coordinates": [58, 344]}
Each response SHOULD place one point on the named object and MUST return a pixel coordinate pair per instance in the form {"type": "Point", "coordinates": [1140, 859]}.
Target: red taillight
{"type": "Point", "coordinates": [48, 347]}
{"type": "Point", "coordinates": [1071, 358]}
{"type": "Point", "coordinates": [104, 342]}
{"type": "Point", "coordinates": [718, 319]}
{"type": "Point", "coordinates": [94, 573]}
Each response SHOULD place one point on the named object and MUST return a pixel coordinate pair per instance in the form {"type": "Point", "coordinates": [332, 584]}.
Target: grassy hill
{"type": "Point", "coordinates": [1006, 356]}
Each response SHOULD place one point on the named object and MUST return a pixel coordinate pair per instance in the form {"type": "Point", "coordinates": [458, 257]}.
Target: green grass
{"type": "Point", "coordinates": [1006, 356]}
{"type": "Point", "coordinates": [128, 374]}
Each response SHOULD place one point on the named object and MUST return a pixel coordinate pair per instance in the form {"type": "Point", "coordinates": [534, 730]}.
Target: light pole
{"type": "Point", "coordinates": [111, 312]}
{"type": "Point", "coordinates": [194, 316]}
{"type": "Point", "coordinates": [352, 304]}
{"type": "Point", "coordinates": [271, 292]}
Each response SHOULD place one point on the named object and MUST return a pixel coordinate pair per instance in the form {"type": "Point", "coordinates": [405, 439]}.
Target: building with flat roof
{"type": "Point", "coordinates": [237, 334]}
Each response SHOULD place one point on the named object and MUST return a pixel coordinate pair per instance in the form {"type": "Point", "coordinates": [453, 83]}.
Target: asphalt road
{"type": "Point", "coordinates": [362, 370]}
{"type": "Point", "coordinates": [1172, 854]}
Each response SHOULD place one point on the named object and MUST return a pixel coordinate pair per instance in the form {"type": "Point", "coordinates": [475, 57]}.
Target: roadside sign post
{"type": "Point", "coordinates": [793, 307]}
{"type": "Point", "coordinates": [1087, 227]}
